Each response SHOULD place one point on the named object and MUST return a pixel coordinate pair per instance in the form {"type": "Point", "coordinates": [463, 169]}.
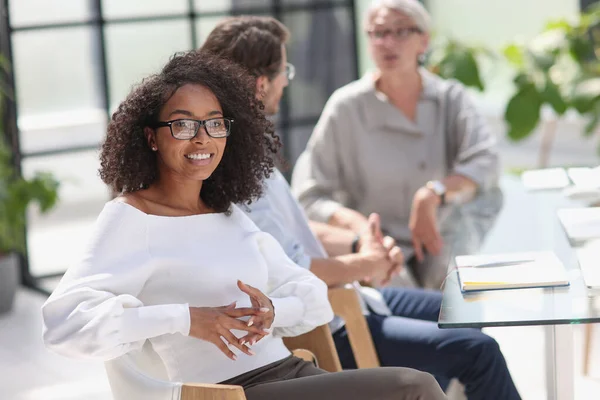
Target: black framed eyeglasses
{"type": "Point", "coordinates": [186, 129]}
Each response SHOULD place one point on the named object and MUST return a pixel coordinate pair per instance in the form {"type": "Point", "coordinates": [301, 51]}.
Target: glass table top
{"type": "Point", "coordinates": [528, 222]}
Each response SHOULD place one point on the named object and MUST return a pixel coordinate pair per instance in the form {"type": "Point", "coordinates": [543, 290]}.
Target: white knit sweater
{"type": "Point", "coordinates": [140, 273]}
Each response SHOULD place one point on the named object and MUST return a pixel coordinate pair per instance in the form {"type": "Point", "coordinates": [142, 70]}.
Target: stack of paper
{"type": "Point", "coordinates": [545, 179]}
{"type": "Point", "coordinates": [589, 261]}
{"type": "Point", "coordinates": [510, 271]}
{"type": "Point", "coordinates": [580, 224]}
{"type": "Point", "coordinates": [585, 177]}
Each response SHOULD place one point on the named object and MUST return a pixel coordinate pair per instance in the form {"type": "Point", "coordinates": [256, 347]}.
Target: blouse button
{"type": "Point", "coordinates": [422, 165]}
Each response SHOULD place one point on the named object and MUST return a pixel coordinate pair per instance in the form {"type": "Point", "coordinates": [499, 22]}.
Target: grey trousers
{"type": "Point", "coordinates": [295, 379]}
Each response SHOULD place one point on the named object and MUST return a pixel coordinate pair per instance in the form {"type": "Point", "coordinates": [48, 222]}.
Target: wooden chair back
{"type": "Point", "coordinates": [345, 304]}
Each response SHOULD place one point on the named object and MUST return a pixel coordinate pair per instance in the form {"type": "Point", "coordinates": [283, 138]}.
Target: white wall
{"type": "Point", "coordinates": [494, 24]}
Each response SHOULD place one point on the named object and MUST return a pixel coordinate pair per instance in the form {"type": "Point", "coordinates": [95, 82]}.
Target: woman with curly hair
{"type": "Point", "coordinates": [173, 261]}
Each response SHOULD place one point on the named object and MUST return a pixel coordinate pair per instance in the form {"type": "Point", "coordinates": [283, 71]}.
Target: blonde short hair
{"type": "Point", "coordinates": [411, 8]}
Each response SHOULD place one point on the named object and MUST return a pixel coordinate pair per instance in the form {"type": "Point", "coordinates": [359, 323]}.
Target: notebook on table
{"type": "Point", "coordinates": [545, 179]}
{"type": "Point", "coordinates": [510, 271]}
{"type": "Point", "coordinates": [585, 176]}
{"type": "Point", "coordinates": [588, 256]}
{"type": "Point", "coordinates": [580, 224]}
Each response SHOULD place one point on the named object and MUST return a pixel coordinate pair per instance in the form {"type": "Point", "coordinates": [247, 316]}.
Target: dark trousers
{"type": "Point", "coordinates": [412, 339]}
{"type": "Point", "coordinates": [296, 379]}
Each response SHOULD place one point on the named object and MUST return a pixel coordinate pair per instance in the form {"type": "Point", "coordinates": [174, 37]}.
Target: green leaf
{"type": "Point", "coordinates": [523, 112]}
{"type": "Point", "coordinates": [514, 54]}
{"type": "Point", "coordinates": [16, 194]}
{"type": "Point", "coordinates": [581, 48]}
{"type": "Point", "coordinates": [561, 24]}
{"type": "Point", "coordinates": [542, 59]}
{"type": "Point", "coordinates": [4, 64]}
{"type": "Point", "coordinates": [585, 95]}
{"type": "Point", "coordinates": [522, 79]}
{"type": "Point", "coordinates": [462, 66]}
{"type": "Point", "coordinates": [552, 96]}
{"type": "Point", "coordinates": [594, 122]}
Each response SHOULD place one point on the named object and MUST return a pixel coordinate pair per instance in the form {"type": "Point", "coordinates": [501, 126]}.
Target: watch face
{"type": "Point", "coordinates": [438, 187]}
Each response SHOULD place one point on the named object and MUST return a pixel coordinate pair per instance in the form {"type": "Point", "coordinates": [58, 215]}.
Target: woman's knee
{"type": "Point", "coordinates": [414, 384]}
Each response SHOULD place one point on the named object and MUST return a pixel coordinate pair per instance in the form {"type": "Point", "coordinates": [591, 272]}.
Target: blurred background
{"type": "Point", "coordinates": [73, 61]}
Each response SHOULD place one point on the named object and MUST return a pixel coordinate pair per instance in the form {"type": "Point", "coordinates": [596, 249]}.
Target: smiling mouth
{"type": "Point", "coordinates": [199, 156]}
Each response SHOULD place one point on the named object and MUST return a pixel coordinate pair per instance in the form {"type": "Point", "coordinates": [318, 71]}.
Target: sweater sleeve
{"type": "Point", "coordinates": [298, 296]}
{"type": "Point", "coordinates": [268, 218]}
{"type": "Point", "coordinates": [476, 153]}
{"type": "Point", "coordinates": [94, 312]}
{"type": "Point", "coordinates": [317, 180]}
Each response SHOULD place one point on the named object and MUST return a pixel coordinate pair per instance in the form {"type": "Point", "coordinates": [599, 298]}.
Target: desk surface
{"type": "Point", "coordinates": [528, 222]}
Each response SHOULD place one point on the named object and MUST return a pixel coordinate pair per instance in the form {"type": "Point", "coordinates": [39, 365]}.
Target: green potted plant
{"type": "Point", "coordinates": [16, 194]}
{"type": "Point", "coordinates": [453, 59]}
{"type": "Point", "coordinates": [559, 68]}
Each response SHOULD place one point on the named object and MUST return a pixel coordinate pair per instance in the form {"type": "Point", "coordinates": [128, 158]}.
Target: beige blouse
{"type": "Point", "coordinates": [366, 155]}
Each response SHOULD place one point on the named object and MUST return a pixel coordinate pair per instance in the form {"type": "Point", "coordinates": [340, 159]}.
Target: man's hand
{"type": "Point", "coordinates": [381, 254]}
{"type": "Point", "coordinates": [396, 256]}
{"type": "Point", "coordinates": [423, 223]}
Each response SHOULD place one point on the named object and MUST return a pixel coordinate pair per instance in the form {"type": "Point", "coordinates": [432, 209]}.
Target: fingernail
{"type": "Point", "coordinates": [264, 309]}
{"type": "Point", "coordinates": [243, 342]}
{"type": "Point", "coordinates": [234, 357]}
{"type": "Point", "coordinates": [251, 352]}
{"type": "Point", "coordinates": [252, 342]}
{"type": "Point", "coordinates": [266, 330]}
{"type": "Point", "coordinates": [250, 322]}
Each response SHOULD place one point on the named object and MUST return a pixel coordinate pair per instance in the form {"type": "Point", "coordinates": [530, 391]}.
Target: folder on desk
{"type": "Point", "coordinates": [580, 224]}
{"type": "Point", "coordinates": [585, 177]}
{"type": "Point", "coordinates": [510, 271]}
{"type": "Point", "coordinates": [545, 179]}
{"type": "Point", "coordinates": [588, 256]}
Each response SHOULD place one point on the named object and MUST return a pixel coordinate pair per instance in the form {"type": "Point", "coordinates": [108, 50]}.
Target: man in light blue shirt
{"type": "Point", "coordinates": [403, 322]}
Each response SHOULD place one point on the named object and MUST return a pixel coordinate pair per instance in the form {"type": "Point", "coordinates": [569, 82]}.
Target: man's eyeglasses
{"type": "Point", "coordinates": [186, 129]}
{"type": "Point", "coordinates": [290, 71]}
{"type": "Point", "coordinates": [397, 33]}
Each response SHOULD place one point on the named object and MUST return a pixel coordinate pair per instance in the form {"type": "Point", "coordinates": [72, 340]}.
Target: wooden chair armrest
{"type": "Point", "coordinates": [306, 355]}
{"type": "Point", "coordinates": [345, 303]}
{"type": "Point", "coordinates": [205, 391]}
{"type": "Point", "coordinates": [320, 342]}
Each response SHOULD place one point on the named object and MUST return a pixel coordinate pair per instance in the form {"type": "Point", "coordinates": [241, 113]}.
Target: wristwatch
{"type": "Point", "coordinates": [439, 189]}
{"type": "Point", "coordinates": [355, 243]}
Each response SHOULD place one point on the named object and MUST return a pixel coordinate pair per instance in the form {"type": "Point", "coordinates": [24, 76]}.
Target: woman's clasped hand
{"type": "Point", "coordinates": [215, 324]}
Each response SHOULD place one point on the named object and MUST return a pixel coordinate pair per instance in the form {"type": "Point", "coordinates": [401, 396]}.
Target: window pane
{"type": "Point", "coordinates": [62, 130]}
{"type": "Point", "coordinates": [29, 12]}
{"type": "Point", "coordinates": [313, 2]}
{"type": "Point", "coordinates": [321, 48]}
{"type": "Point", "coordinates": [227, 5]}
{"type": "Point", "coordinates": [137, 50]}
{"type": "Point", "coordinates": [55, 71]}
{"type": "Point", "coordinates": [55, 240]}
{"type": "Point", "coordinates": [204, 25]}
{"type": "Point", "coordinates": [146, 8]}
{"type": "Point", "coordinates": [295, 142]}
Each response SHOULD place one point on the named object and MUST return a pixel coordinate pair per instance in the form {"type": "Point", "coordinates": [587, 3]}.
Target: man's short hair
{"type": "Point", "coordinates": [251, 41]}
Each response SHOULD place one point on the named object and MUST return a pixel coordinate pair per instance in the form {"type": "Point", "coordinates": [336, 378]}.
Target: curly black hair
{"type": "Point", "coordinates": [127, 163]}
